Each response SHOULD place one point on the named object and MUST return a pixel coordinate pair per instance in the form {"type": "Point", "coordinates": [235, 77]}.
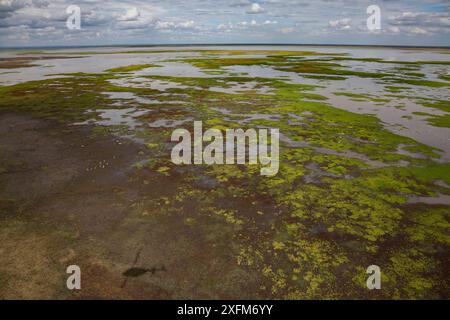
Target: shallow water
{"type": "Point", "coordinates": [116, 117]}
{"type": "Point", "coordinates": [396, 114]}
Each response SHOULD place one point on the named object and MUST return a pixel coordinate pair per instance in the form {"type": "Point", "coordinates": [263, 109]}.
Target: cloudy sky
{"type": "Point", "coordinates": [403, 22]}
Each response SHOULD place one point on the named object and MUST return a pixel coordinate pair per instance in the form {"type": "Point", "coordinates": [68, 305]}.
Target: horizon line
{"type": "Point", "coordinates": [226, 44]}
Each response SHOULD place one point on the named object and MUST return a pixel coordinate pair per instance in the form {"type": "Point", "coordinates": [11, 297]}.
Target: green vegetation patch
{"type": "Point", "coordinates": [131, 68]}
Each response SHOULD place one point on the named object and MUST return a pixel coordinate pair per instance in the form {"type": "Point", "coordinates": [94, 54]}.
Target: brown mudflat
{"type": "Point", "coordinates": [67, 197]}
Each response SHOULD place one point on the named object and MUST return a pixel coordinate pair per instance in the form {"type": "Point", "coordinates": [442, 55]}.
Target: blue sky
{"type": "Point", "coordinates": [403, 22]}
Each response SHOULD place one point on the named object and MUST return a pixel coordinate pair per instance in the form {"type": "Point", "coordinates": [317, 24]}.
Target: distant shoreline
{"type": "Point", "coordinates": [223, 44]}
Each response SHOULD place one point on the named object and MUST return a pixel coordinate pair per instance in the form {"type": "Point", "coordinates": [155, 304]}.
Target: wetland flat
{"type": "Point", "coordinates": [86, 176]}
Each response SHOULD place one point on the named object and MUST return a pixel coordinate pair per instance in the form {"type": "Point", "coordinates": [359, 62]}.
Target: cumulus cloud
{"type": "Point", "coordinates": [420, 23]}
{"type": "Point", "coordinates": [255, 8]}
{"type": "Point", "coordinates": [225, 26]}
{"type": "Point", "coordinates": [132, 14]}
{"type": "Point", "coordinates": [8, 7]}
{"type": "Point", "coordinates": [425, 19]}
{"type": "Point", "coordinates": [168, 25]}
{"type": "Point", "coordinates": [342, 24]}
{"type": "Point", "coordinates": [42, 22]}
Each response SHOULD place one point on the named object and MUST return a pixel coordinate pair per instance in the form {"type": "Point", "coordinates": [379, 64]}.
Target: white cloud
{"type": "Point", "coordinates": [441, 19]}
{"type": "Point", "coordinates": [132, 14]}
{"type": "Point", "coordinates": [342, 24]}
{"type": "Point", "coordinates": [394, 29]}
{"type": "Point", "coordinates": [169, 25]}
{"type": "Point", "coordinates": [421, 23]}
{"type": "Point", "coordinates": [186, 24]}
{"type": "Point", "coordinates": [255, 9]}
{"type": "Point", "coordinates": [227, 27]}
{"type": "Point", "coordinates": [254, 23]}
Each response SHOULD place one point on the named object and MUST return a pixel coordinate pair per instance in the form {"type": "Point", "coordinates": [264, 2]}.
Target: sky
{"type": "Point", "coordinates": [122, 22]}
